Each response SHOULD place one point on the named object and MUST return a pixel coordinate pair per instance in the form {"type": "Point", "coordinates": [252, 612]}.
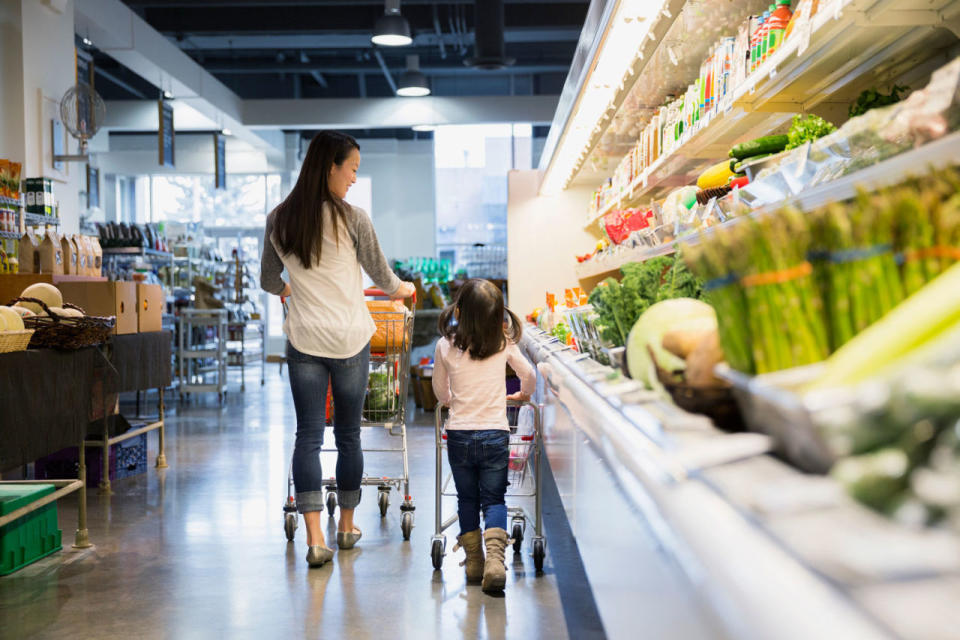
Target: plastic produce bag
{"type": "Point", "coordinates": [389, 316]}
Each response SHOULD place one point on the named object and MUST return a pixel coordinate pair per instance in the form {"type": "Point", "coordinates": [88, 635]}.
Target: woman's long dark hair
{"type": "Point", "coordinates": [475, 320]}
{"type": "Point", "coordinates": [298, 220]}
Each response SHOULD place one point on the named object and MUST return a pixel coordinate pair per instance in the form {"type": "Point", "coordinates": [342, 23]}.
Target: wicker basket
{"type": "Point", "coordinates": [11, 341]}
{"type": "Point", "coordinates": [54, 331]}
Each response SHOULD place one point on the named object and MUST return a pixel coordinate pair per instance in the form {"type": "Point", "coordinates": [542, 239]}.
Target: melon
{"type": "Point", "coordinates": [66, 313]}
{"type": "Point", "coordinates": [10, 320]}
{"type": "Point", "coordinates": [41, 291]}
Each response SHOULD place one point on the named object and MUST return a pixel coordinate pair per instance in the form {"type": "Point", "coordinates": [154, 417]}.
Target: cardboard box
{"type": "Point", "coordinates": [150, 303]}
{"type": "Point", "coordinates": [105, 299]}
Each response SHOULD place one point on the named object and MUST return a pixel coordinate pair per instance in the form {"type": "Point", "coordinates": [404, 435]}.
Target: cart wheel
{"type": "Point", "coordinates": [517, 536]}
{"type": "Point", "coordinates": [406, 524]}
{"type": "Point", "coordinates": [290, 525]}
{"type": "Point", "coordinates": [331, 503]}
{"type": "Point", "coordinates": [436, 554]}
{"type": "Point", "coordinates": [383, 500]}
{"type": "Point", "coordinates": [538, 554]}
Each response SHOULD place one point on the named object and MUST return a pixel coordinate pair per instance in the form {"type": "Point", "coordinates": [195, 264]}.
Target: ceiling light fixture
{"type": "Point", "coordinates": [226, 132]}
{"type": "Point", "coordinates": [413, 84]}
{"type": "Point", "coordinates": [391, 29]}
{"type": "Point", "coordinates": [423, 127]}
{"type": "Point", "coordinates": [167, 95]}
{"type": "Point", "coordinates": [87, 42]}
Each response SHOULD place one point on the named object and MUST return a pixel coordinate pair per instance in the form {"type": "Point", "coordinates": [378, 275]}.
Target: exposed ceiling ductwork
{"type": "Point", "coordinates": [489, 49]}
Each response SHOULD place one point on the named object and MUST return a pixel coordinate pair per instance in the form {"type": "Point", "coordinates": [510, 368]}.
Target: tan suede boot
{"type": "Point", "coordinates": [472, 544]}
{"type": "Point", "coordinates": [494, 569]}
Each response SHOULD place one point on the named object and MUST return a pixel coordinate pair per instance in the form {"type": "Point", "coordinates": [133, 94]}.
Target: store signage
{"type": "Point", "coordinates": [93, 187]}
{"type": "Point", "coordinates": [219, 161]}
{"type": "Point", "coordinates": [165, 134]}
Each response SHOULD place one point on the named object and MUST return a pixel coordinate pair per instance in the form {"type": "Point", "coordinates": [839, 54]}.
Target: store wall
{"type": "Point", "coordinates": [544, 234]}
{"type": "Point", "coordinates": [11, 75]}
{"type": "Point", "coordinates": [38, 66]}
{"type": "Point", "coordinates": [404, 195]}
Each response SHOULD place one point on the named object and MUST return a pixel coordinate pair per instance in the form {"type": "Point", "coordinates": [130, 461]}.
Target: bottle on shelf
{"type": "Point", "coordinates": [779, 20]}
{"type": "Point", "coordinates": [755, 48]}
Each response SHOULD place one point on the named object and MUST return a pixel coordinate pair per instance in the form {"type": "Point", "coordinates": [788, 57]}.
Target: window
{"type": "Point", "coordinates": [471, 170]}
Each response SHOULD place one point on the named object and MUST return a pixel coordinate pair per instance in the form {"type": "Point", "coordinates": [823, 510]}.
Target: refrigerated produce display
{"type": "Point", "coordinates": [754, 375]}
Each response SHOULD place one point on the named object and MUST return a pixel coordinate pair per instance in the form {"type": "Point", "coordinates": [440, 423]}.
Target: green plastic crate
{"type": "Point", "coordinates": [31, 537]}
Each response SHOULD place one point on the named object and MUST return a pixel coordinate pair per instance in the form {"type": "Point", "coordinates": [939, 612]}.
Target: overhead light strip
{"type": "Point", "coordinates": [621, 48]}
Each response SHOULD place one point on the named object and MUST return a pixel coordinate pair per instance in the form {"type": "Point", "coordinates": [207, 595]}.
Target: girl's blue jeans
{"type": "Point", "coordinates": [478, 461]}
{"type": "Point", "coordinates": [309, 376]}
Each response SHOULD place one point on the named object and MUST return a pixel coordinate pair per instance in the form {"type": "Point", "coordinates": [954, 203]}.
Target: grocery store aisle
{"type": "Point", "coordinates": [198, 550]}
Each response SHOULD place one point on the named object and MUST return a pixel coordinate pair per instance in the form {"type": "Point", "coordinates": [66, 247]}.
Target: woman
{"type": "Point", "coordinates": [323, 242]}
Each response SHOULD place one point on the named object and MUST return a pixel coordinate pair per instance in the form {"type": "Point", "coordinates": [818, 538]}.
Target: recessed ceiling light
{"type": "Point", "coordinates": [392, 29]}
{"type": "Point", "coordinates": [87, 42]}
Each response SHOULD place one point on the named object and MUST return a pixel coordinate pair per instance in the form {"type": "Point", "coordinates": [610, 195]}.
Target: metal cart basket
{"type": "Point", "coordinates": [525, 452]}
{"type": "Point", "coordinates": [384, 406]}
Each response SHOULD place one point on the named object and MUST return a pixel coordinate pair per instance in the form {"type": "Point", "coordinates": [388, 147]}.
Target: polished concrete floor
{"type": "Point", "coordinates": [198, 550]}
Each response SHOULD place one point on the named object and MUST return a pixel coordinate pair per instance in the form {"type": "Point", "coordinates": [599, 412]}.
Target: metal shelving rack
{"type": "Point", "coordinates": [192, 353]}
{"type": "Point", "coordinates": [239, 355]}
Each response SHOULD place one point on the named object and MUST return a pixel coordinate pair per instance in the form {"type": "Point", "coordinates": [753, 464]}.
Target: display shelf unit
{"type": "Point", "coordinates": [11, 202]}
{"type": "Point", "coordinates": [192, 352]}
{"type": "Point", "coordinates": [251, 347]}
{"type": "Point", "coordinates": [37, 220]}
{"type": "Point", "coordinates": [9, 235]}
{"type": "Point", "coordinates": [137, 251]}
{"type": "Point", "coordinates": [851, 45]}
{"type": "Point", "coordinates": [916, 162]}
{"type": "Point", "coordinates": [735, 537]}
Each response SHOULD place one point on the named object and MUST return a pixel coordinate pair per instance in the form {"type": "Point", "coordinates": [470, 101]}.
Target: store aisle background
{"type": "Point", "coordinates": [198, 550]}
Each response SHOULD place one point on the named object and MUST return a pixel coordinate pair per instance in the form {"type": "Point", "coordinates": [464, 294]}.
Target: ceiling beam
{"type": "Point", "coordinates": [248, 68]}
{"type": "Point", "coordinates": [186, 4]}
{"type": "Point", "coordinates": [386, 71]}
{"type": "Point", "coordinates": [227, 42]}
{"type": "Point", "coordinates": [359, 113]}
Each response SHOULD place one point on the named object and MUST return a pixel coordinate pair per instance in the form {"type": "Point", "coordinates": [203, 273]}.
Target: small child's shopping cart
{"type": "Point", "coordinates": [384, 406]}
{"type": "Point", "coordinates": [526, 447]}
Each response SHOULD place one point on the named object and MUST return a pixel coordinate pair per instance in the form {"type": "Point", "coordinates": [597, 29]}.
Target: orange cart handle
{"type": "Point", "coordinates": [380, 294]}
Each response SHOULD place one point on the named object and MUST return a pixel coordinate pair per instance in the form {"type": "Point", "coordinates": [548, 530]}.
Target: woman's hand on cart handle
{"type": "Point", "coordinates": [286, 292]}
{"type": "Point", "coordinates": [406, 290]}
{"type": "Point", "coordinates": [519, 396]}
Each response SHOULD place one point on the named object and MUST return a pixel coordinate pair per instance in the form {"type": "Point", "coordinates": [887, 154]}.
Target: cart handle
{"type": "Point", "coordinates": [379, 293]}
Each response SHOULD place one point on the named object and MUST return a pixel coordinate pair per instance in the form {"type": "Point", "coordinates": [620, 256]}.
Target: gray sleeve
{"type": "Point", "coordinates": [371, 256]}
{"type": "Point", "coordinates": [270, 264]}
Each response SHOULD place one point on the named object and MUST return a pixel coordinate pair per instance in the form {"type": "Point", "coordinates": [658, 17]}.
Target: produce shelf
{"type": "Point", "coordinates": [852, 45]}
{"type": "Point", "coordinates": [934, 155]}
{"type": "Point", "coordinates": [717, 503]}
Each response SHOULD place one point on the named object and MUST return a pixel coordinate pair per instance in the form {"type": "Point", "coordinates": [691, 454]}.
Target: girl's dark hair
{"type": "Point", "coordinates": [475, 320]}
{"type": "Point", "coordinates": [298, 220]}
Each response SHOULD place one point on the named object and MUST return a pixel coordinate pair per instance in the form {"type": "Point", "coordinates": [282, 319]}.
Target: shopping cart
{"type": "Point", "coordinates": [525, 451]}
{"type": "Point", "coordinates": [385, 406]}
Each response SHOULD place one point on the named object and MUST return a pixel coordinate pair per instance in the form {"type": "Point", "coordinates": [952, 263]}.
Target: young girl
{"type": "Point", "coordinates": [478, 339]}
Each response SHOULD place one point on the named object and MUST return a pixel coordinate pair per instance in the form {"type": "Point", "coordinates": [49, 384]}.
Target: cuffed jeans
{"type": "Point", "coordinates": [308, 382]}
{"type": "Point", "coordinates": [478, 462]}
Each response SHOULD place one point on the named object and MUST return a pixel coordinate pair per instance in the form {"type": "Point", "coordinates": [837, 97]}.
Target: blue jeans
{"type": "Point", "coordinates": [308, 382]}
{"type": "Point", "coordinates": [478, 461]}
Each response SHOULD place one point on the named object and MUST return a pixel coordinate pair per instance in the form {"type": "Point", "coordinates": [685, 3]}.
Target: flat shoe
{"type": "Point", "coordinates": [317, 556]}
{"type": "Point", "coordinates": [346, 539]}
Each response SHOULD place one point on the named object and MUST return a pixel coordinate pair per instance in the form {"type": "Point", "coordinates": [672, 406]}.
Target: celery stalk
{"type": "Point", "coordinates": [917, 320]}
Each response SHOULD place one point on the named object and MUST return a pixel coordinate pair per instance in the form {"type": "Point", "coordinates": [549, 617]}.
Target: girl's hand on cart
{"type": "Point", "coordinates": [406, 290]}
{"type": "Point", "coordinates": [286, 292]}
{"type": "Point", "coordinates": [519, 396]}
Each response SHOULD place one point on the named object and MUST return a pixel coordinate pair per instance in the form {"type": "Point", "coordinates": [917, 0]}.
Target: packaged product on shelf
{"type": "Point", "coordinates": [96, 253]}
{"type": "Point", "coordinates": [39, 196]}
{"type": "Point", "coordinates": [29, 253]}
{"type": "Point", "coordinates": [779, 20]}
{"type": "Point", "coordinates": [51, 253]}
{"type": "Point", "coordinates": [5, 178]}
{"type": "Point", "coordinates": [69, 251]}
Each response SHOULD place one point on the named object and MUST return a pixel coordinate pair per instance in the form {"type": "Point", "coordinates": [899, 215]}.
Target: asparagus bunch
{"type": "Point", "coordinates": [710, 261]}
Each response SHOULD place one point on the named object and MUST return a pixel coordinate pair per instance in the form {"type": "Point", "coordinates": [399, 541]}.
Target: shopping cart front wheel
{"type": "Point", "coordinates": [290, 525]}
